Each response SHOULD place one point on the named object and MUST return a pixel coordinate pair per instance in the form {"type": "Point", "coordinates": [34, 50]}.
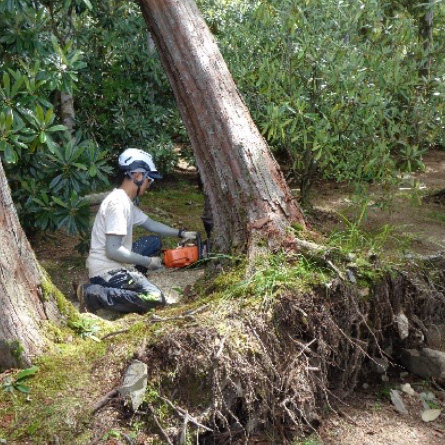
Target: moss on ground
{"type": "Point", "coordinates": [56, 403]}
{"type": "Point", "coordinates": [72, 376]}
{"type": "Point", "coordinates": [77, 373]}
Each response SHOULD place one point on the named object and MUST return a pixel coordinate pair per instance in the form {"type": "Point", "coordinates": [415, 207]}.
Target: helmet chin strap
{"type": "Point", "coordinates": [138, 183]}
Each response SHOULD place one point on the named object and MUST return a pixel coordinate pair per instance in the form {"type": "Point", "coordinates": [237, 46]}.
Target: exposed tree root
{"type": "Point", "coordinates": [272, 370]}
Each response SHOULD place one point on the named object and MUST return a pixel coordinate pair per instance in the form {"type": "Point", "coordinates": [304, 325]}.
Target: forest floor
{"type": "Point", "coordinates": [397, 214]}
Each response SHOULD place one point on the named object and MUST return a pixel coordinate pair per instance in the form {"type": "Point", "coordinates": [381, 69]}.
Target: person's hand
{"type": "Point", "coordinates": [153, 263]}
{"type": "Point", "coordinates": [189, 235]}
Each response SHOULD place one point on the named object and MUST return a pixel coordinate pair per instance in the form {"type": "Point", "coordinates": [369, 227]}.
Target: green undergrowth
{"type": "Point", "coordinates": [352, 238]}
{"type": "Point", "coordinates": [435, 215]}
{"type": "Point", "coordinates": [77, 371]}
{"type": "Point", "coordinates": [58, 394]}
{"type": "Point", "coordinates": [269, 277]}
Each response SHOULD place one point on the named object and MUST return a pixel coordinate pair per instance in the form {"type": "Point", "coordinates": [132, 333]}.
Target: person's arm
{"type": "Point", "coordinates": [159, 228]}
{"type": "Point", "coordinates": [164, 230]}
{"type": "Point", "coordinates": [117, 252]}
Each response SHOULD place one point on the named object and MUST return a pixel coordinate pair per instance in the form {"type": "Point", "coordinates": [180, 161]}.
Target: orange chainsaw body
{"type": "Point", "coordinates": [181, 256]}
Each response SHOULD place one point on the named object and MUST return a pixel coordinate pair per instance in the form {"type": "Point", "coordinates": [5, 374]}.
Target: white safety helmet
{"type": "Point", "coordinates": [135, 160]}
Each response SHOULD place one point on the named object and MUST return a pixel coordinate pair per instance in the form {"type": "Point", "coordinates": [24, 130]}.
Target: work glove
{"type": "Point", "coordinates": [153, 263]}
{"type": "Point", "coordinates": [189, 235]}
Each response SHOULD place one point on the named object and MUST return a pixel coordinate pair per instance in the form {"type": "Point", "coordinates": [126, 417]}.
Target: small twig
{"type": "Point", "coordinates": [196, 311]}
{"type": "Point", "coordinates": [305, 346]}
{"type": "Point", "coordinates": [98, 436]}
{"type": "Point", "coordinates": [182, 413]}
{"type": "Point", "coordinates": [439, 430]}
{"type": "Point", "coordinates": [112, 334]}
{"type": "Point", "coordinates": [347, 417]}
{"type": "Point", "coordinates": [221, 347]}
{"type": "Point", "coordinates": [183, 438]}
{"type": "Point", "coordinates": [187, 316]}
{"type": "Point", "coordinates": [437, 386]}
{"type": "Point", "coordinates": [163, 433]}
{"type": "Point", "coordinates": [128, 439]}
{"type": "Point", "coordinates": [104, 400]}
{"type": "Point", "coordinates": [331, 265]}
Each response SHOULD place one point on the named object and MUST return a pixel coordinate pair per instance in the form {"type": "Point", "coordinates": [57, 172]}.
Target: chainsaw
{"type": "Point", "coordinates": [188, 252]}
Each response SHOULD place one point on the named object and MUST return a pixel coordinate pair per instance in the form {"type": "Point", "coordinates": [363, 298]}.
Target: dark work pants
{"type": "Point", "coordinates": [126, 291]}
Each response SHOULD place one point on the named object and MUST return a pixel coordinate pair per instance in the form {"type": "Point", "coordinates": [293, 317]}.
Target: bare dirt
{"type": "Point", "coordinates": [417, 225]}
{"type": "Point", "coordinates": [370, 420]}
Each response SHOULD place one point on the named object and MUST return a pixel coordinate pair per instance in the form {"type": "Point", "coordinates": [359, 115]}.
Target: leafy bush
{"type": "Point", "coordinates": [48, 168]}
{"type": "Point", "coordinates": [127, 99]}
{"type": "Point", "coordinates": [337, 88]}
{"type": "Point", "coordinates": [165, 155]}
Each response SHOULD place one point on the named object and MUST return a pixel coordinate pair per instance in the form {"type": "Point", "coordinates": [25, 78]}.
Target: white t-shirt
{"type": "Point", "coordinates": [116, 216]}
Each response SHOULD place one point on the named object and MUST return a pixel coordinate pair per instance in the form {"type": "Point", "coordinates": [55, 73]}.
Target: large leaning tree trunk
{"type": "Point", "coordinates": [248, 195]}
{"type": "Point", "coordinates": [25, 302]}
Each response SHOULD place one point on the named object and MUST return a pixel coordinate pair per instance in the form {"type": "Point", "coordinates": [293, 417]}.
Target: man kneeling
{"type": "Point", "coordinates": [113, 284]}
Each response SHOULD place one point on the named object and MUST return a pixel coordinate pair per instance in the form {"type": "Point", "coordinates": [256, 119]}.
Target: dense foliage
{"type": "Point", "coordinates": [340, 89]}
{"type": "Point", "coordinates": [48, 167]}
{"type": "Point", "coordinates": [95, 54]}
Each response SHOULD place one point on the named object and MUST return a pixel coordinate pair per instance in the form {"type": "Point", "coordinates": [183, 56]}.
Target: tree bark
{"type": "Point", "coordinates": [249, 197]}
{"type": "Point", "coordinates": [67, 112]}
{"type": "Point", "coordinates": [426, 38]}
{"type": "Point", "coordinates": [24, 306]}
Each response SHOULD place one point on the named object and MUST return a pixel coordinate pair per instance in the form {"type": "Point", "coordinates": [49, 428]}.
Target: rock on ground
{"type": "Point", "coordinates": [426, 363]}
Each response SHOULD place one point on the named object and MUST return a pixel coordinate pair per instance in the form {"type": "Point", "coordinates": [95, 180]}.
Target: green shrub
{"type": "Point", "coordinates": [335, 87]}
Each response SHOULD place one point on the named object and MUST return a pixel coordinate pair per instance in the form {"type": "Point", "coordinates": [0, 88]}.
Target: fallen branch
{"type": "Point", "coordinates": [105, 400]}
{"type": "Point", "coordinates": [310, 246]}
{"type": "Point", "coordinates": [426, 258]}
